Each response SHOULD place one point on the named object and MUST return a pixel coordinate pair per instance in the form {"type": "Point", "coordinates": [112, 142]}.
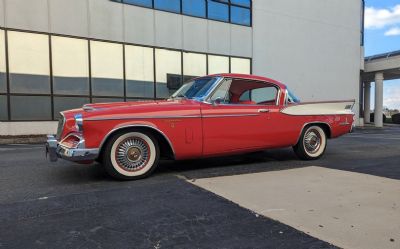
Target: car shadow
{"type": "Point", "coordinates": [276, 159]}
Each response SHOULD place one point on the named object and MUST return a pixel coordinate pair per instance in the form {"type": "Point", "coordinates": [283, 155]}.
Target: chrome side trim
{"type": "Point", "coordinates": [143, 117]}
{"type": "Point", "coordinates": [136, 126]}
{"type": "Point", "coordinates": [229, 115]}
{"type": "Point", "coordinates": [314, 122]}
{"type": "Point", "coordinates": [79, 122]}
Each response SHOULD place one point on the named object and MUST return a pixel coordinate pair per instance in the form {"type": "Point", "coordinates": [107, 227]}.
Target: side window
{"type": "Point", "coordinates": [222, 92]}
{"type": "Point", "coordinates": [265, 95]}
{"type": "Point", "coordinates": [245, 96]}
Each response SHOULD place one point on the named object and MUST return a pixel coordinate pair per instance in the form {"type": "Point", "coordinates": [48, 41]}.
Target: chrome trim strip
{"type": "Point", "coordinates": [136, 126]}
{"type": "Point", "coordinates": [143, 117]}
{"type": "Point", "coordinates": [206, 99]}
{"type": "Point", "coordinates": [79, 122]}
{"type": "Point", "coordinates": [229, 115]}
{"type": "Point", "coordinates": [344, 123]}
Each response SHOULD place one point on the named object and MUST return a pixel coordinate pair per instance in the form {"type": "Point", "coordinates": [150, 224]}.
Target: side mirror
{"type": "Point", "coordinates": [216, 101]}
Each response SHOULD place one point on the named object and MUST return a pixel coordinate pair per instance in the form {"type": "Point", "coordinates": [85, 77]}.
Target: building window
{"type": "Point", "coordinates": [70, 60]}
{"type": "Point", "coordinates": [240, 65]}
{"type": "Point", "coordinates": [3, 76]}
{"type": "Point", "coordinates": [30, 108]}
{"type": "Point", "coordinates": [66, 103]}
{"type": "Point", "coordinates": [218, 11]}
{"type": "Point", "coordinates": [139, 70]}
{"type": "Point", "coordinates": [107, 100]}
{"type": "Point", "coordinates": [233, 11]}
{"type": "Point", "coordinates": [240, 15]}
{"type": "Point", "coordinates": [86, 71]}
{"type": "Point", "coordinates": [194, 7]}
{"type": "Point", "coordinates": [244, 3]}
{"type": "Point", "coordinates": [194, 65]}
{"type": "Point", "coordinates": [107, 69]}
{"type": "Point", "coordinates": [218, 64]}
{"type": "Point", "coordinates": [168, 72]}
{"type": "Point", "coordinates": [144, 3]}
{"type": "Point", "coordinates": [29, 62]}
{"type": "Point", "coordinates": [3, 108]}
{"type": "Point", "coordinates": [169, 5]}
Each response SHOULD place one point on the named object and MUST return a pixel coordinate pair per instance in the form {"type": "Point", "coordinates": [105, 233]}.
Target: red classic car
{"type": "Point", "coordinates": [209, 116]}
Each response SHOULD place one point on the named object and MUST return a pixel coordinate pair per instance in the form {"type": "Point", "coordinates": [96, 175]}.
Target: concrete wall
{"type": "Point", "coordinates": [311, 45]}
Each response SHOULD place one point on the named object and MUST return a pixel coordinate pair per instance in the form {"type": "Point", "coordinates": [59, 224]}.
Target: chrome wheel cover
{"type": "Point", "coordinates": [312, 141]}
{"type": "Point", "coordinates": [132, 154]}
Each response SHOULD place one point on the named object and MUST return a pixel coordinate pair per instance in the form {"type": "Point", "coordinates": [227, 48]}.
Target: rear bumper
{"type": "Point", "coordinates": [55, 150]}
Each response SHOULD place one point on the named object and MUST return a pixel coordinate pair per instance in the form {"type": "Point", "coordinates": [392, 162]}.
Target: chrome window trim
{"type": "Point", "coordinates": [206, 99]}
{"type": "Point", "coordinates": [137, 126]}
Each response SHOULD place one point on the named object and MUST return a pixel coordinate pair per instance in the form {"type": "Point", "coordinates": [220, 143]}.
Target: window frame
{"type": "Point", "coordinates": [208, 100]}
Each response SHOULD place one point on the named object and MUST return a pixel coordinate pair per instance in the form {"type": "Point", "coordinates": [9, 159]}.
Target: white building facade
{"type": "Point", "coordinates": [59, 54]}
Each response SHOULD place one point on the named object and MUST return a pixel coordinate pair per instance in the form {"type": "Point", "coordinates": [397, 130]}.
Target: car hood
{"type": "Point", "coordinates": [137, 109]}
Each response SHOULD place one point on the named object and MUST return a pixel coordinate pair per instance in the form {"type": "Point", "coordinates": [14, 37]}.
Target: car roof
{"type": "Point", "coordinates": [250, 77]}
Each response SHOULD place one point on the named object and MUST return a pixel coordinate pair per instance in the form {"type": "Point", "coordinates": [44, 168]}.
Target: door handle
{"type": "Point", "coordinates": [263, 110]}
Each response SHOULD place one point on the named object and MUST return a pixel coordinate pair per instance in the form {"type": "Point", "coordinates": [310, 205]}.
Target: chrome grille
{"type": "Point", "coordinates": [60, 128]}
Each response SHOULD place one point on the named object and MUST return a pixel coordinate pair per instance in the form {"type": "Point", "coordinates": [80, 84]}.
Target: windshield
{"type": "Point", "coordinates": [195, 89]}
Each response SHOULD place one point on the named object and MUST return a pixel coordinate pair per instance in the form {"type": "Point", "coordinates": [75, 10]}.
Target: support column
{"type": "Point", "coordinates": [367, 102]}
{"type": "Point", "coordinates": [378, 120]}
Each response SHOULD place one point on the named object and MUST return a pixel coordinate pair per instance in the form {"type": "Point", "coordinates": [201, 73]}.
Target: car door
{"type": "Point", "coordinates": [234, 125]}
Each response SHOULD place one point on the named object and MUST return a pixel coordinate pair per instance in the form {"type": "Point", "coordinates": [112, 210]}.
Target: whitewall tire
{"type": "Point", "coordinates": [312, 143]}
{"type": "Point", "coordinates": [131, 155]}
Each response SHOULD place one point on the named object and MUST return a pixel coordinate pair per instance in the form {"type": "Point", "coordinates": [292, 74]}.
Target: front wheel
{"type": "Point", "coordinates": [131, 155]}
{"type": "Point", "coordinates": [312, 143]}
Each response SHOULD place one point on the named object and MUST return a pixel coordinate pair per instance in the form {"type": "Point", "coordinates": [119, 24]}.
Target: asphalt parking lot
{"type": "Point", "coordinates": [64, 205]}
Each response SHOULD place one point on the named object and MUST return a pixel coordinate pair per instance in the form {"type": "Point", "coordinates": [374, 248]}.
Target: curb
{"type": "Point", "coordinates": [28, 139]}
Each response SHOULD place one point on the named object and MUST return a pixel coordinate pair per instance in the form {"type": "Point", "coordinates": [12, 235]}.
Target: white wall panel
{"type": "Point", "coordinates": [195, 35]}
{"type": "Point", "coordinates": [219, 37]}
{"type": "Point", "coordinates": [106, 20]}
{"type": "Point", "coordinates": [2, 13]}
{"type": "Point", "coordinates": [139, 25]}
{"type": "Point", "coordinates": [241, 41]}
{"type": "Point", "coordinates": [69, 17]}
{"type": "Point", "coordinates": [168, 30]}
{"type": "Point", "coordinates": [28, 15]}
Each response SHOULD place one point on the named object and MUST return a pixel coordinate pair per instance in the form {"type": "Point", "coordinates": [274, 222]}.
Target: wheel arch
{"type": "Point", "coordinates": [325, 126]}
{"type": "Point", "coordinates": [166, 147]}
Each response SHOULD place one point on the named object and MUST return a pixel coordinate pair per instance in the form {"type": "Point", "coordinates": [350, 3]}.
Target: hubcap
{"type": "Point", "coordinates": [312, 141]}
{"type": "Point", "coordinates": [132, 154]}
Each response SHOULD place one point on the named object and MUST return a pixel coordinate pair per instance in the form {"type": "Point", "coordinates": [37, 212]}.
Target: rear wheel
{"type": "Point", "coordinates": [312, 143]}
{"type": "Point", "coordinates": [131, 155]}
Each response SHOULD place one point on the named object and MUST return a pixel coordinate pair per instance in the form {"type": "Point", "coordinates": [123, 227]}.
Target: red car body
{"type": "Point", "coordinates": [187, 128]}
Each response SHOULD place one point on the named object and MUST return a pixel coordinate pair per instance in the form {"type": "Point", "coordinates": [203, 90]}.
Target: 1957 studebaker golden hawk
{"type": "Point", "coordinates": [209, 116]}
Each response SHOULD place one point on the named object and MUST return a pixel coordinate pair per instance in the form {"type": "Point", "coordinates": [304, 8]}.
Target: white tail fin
{"type": "Point", "coordinates": [320, 108]}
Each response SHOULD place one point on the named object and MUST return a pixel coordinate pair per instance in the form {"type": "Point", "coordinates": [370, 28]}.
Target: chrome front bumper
{"type": "Point", "coordinates": [55, 150]}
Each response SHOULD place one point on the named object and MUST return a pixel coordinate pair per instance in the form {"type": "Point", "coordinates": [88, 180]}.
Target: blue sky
{"type": "Point", "coordinates": [382, 34]}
